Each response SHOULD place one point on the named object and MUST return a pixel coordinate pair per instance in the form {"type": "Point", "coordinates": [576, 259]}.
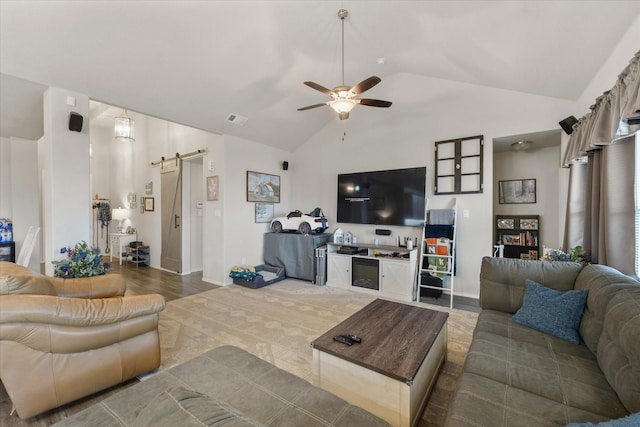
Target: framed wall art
{"type": "Point", "coordinates": [517, 191]}
{"type": "Point", "coordinates": [148, 204]}
{"type": "Point", "coordinates": [264, 212]}
{"type": "Point", "coordinates": [263, 188]}
{"type": "Point", "coordinates": [212, 188]}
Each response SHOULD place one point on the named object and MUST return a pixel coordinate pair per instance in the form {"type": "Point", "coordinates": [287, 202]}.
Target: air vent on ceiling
{"type": "Point", "coordinates": [236, 119]}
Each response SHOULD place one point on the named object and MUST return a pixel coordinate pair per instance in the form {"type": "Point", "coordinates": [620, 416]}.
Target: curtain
{"type": "Point", "coordinates": [575, 218]}
{"type": "Point", "coordinates": [616, 246]}
{"type": "Point", "coordinates": [614, 115]}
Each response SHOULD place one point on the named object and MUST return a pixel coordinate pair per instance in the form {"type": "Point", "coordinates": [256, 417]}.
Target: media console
{"type": "Point", "coordinates": [387, 271]}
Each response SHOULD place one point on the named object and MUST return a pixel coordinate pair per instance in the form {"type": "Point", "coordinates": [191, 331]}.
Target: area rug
{"type": "Point", "coordinates": [277, 323]}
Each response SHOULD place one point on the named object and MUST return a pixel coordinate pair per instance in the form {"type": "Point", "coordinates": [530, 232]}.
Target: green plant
{"type": "Point", "coordinates": [576, 254]}
{"type": "Point", "coordinates": [82, 261]}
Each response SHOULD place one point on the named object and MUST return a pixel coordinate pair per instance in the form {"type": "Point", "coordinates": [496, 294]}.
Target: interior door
{"type": "Point", "coordinates": [171, 209]}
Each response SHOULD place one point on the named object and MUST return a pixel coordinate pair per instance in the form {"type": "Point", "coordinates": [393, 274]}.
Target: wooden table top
{"type": "Point", "coordinates": [395, 338]}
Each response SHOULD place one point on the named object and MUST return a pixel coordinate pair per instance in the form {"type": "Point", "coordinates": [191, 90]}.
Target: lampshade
{"type": "Point", "coordinates": [119, 214]}
{"type": "Point", "coordinates": [124, 127]}
{"type": "Point", "coordinates": [342, 105]}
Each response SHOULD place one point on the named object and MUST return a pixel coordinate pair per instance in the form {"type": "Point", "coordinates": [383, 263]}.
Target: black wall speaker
{"type": "Point", "coordinates": [75, 122]}
{"type": "Point", "coordinates": [567, 124]}
{"type": "Point", "coordinates": [285, 166]}
{"type": "Point", "coordinates": [383, 232]}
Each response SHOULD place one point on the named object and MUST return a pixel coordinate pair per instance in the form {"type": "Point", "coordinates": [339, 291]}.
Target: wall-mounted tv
{"type": "Point", "coordinates": [389, 197]}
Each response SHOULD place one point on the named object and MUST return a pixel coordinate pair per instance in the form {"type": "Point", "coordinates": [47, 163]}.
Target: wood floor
{"type": "Point", "coordinates": [143, 280]}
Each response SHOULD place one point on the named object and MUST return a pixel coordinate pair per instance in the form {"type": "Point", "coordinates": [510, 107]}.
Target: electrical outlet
{"type": "Point", "coordinates": [465, 213]}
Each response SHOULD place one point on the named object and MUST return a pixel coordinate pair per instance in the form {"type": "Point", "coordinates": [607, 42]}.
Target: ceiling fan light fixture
{"type": "Point", "coordinates": [342, 105]}
{"type": "Point", "coordinates": [124, 127]}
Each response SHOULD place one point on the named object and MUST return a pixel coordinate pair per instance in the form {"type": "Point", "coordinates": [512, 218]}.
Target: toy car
{"type": "Point", "coordinates": [303, 223]}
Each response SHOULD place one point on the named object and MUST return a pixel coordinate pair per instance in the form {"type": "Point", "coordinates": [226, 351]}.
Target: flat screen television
{"type": "Point", "coordinates": [389, 197]}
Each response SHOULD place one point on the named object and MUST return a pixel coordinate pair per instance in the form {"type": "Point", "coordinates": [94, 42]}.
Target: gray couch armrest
{"type": "Point", "coordinates": [502, 280]}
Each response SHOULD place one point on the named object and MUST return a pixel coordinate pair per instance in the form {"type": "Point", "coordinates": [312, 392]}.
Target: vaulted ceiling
{"type": "Point", "coordinates": [195, 62]}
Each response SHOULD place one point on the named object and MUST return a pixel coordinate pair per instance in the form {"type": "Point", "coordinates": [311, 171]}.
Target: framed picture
{"type": "Point", "coordinates": [529, 224]}
{"type": "Point", "coordinates": [131, 199]}
{"type": "Point", "coordinates": [264, 212]}
{"type": "Point", "coordinates": [511, 239]}
{"type": "Point", "coordinates": [148, 188]}
{"type": "Point", "coordinates": [506, 223]}
{"type": "Point", "coordinates": [525, 256]}
{"type": "Point", "coordinates": [533, 255]}
{"type": "Point", "coordinates": [148, 204]}
{"type": "Point", "coordinates": [263, 188]}
{"type": "Point", "coordinates": [212, 188]}
{"type": "Point", "coordinates": [517, 191]}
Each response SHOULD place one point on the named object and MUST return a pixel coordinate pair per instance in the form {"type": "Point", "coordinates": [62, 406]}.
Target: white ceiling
{"type": "Point", "coordinates": [194, 62]}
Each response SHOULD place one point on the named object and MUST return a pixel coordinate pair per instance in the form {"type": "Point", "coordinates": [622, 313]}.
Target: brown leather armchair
{"type": "Point", "coordinates": [61, 340]}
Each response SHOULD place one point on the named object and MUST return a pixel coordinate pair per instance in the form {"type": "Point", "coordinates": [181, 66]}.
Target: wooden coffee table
{"type": "Point", "coordinates": [392, 371]}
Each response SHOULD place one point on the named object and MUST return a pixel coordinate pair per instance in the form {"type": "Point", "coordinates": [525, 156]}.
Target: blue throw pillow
{"type": "Point", "coordinates": [632, 420]}
{"type": "Point", "coordinates": [553, 312]}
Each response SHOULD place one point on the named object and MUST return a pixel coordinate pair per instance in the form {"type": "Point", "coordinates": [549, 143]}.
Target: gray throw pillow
{"type": "Point", "coordinates": [182, 407]}
{"type": "Point", "coordinates": [553, 312]}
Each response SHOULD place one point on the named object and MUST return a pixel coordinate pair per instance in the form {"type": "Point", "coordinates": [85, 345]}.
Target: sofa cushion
{"type": "Point", "coordinates": [603, 283]}
{"type": "Point", "coordinates": [632, 420]}
{"type": "Point", "coordinates": [538, 363]}
{"type": "Point", "coordinates": [483, 402]}
{"type": "Point", "coordinates": [179, 406]}
{"type": "Point", "coordinates": [502, 280]}
{"type": "Point", "coordinates": [619, 346]}
{"type": "Point", "coordinates": [554, 312]}
{"type": "Point", "coordinates": [16, 279]}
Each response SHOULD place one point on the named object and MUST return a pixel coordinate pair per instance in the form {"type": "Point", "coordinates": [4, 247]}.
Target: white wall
{"type": "Point", "coordinates": [66, 187]}
{"type": "Point", "coordinates": [611, 68]}
{"type": "Point", "coordinates": [404, 136]}
{"type": "Point", "coordinates": [243, 237]}
{"type": "Point", "coordinates": [543, 165]}
{"type": "Point", "coordinates": [5, 179]}
{"type": "Point", "coordinates": [196, 196]}
{"type": "Point", "coordinates": [19, 191]}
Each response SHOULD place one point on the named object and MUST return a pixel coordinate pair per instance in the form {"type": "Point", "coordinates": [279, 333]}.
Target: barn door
{"type": "Point", "coordinates": [171, 188]}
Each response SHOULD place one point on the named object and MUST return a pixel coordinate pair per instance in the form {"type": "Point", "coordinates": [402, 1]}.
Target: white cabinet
{"type": "Point", "coordinates": [120, 240]}
{"type": "Point", "coordinates": [339, 270]}
{"type": "Point", "coordinates": [396, 269]}
{"type": "Point", "coordinates": [397, 279]}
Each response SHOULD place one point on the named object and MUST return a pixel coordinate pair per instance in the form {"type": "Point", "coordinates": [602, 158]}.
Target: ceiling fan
{"type": "Point", "coordinates": [343, 98]}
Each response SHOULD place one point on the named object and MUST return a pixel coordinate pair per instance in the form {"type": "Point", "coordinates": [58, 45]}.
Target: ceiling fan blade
{"type": "Point", "coordinates": [312, 106]}
{"type": "Point", "coordinates": [365, 85]}
{"type": "Point", "coordinates": [374, 102]}
{"type": "Point", "coordinates": [318, 87]}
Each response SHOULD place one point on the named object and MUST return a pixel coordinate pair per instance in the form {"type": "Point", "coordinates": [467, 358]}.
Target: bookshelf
{"type": "Point", "coordinates": [520, 235]}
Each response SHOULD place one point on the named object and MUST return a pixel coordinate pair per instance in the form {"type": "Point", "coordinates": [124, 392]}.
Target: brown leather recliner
{"type": "Point", "coordinates": [61, 340]}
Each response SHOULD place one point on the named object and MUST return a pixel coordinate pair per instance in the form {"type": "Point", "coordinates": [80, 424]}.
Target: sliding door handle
{"type": "Point", "coordinates": [176, 218]}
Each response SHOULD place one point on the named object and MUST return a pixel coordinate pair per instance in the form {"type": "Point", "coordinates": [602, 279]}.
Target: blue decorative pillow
{"type": "Point", "coordinates": [632, 420]}
{"type": "Point", "coordinates": [553, 312]}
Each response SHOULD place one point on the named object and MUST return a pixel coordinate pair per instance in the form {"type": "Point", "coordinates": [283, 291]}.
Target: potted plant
{"type": "Point", "coordinates": [82, 261]}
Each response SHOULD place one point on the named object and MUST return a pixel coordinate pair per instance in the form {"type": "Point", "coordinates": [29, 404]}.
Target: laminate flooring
{"type": "Point", "coordinates": [140, 281]}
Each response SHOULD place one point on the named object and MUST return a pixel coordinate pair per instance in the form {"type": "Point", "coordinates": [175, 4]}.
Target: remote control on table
{"type": "Point", "coordinates": [344, 339]}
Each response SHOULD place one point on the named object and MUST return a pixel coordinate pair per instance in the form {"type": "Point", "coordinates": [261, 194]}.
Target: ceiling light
{"type": "Point", "coordinates": [343, 105]}
{"type": "Point", "coordinates": [124, 127]}
{"type": "Point", "coordinates": [521, 145]}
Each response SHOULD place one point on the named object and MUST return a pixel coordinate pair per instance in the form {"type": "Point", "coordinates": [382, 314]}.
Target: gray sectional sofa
{"type": "Point", "coordinates": [225, 386]}
{"type": "Point", "coordinates": [517, 376]}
